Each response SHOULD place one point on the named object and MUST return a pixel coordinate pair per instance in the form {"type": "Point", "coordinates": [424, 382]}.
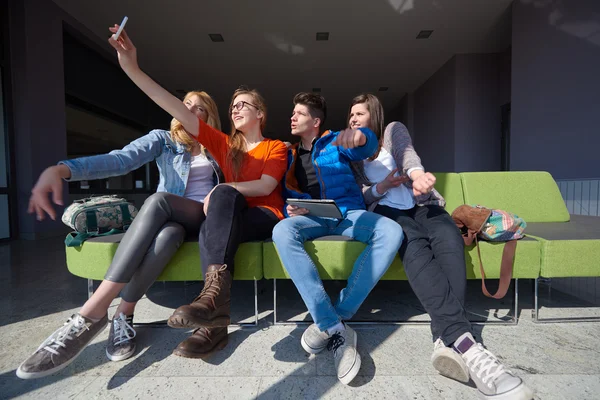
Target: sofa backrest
{"type": "Point", "coordinates": [532, 195]}
{"type": "Point", "coordinates": [449, 185]}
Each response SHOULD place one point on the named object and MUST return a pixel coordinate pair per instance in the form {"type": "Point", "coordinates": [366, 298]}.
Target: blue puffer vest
{"type": "Point", "coordinates": [332, 165]}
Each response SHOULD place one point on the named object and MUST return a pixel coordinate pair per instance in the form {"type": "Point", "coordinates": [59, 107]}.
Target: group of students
{"type": "Point", "coordinates": [228, 189]}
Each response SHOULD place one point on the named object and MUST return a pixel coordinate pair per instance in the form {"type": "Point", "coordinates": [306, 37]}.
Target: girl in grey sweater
{"type": "Point", "coordinates": [397, 186]}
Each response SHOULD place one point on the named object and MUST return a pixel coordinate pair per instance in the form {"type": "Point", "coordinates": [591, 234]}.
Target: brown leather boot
{"type": "Point", "coordinates": [202, 343]}
{"type": "Point", "coordinates": [212, 306]}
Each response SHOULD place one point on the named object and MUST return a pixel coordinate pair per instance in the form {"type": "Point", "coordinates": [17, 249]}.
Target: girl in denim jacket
{"type": "Point", "coordinates": [187, 174]}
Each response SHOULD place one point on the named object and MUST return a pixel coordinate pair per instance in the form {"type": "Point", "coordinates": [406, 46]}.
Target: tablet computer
{"type": "Point", "coordinates": [318, 208]}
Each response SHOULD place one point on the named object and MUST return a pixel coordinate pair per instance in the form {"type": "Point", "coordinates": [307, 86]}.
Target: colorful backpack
{"type": "Point", "coordinates": [494, 226]}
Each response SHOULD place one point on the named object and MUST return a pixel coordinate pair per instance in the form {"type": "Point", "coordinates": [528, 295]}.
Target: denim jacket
{"type": "Point", "coordinates": [172, 160]}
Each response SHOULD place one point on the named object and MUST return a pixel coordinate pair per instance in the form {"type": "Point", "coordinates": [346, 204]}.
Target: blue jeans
{"type": "Point", "coordinates": [383, 237]}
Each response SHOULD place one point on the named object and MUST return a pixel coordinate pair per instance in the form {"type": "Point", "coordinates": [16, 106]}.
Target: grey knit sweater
{"type": "Point", "coordinates": [397, 142]}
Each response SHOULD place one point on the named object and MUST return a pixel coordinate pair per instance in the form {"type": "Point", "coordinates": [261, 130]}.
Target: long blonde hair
{"type": "Point", "coordinates": [237, 144]}
{"type": "Point", "coordinates": [376, 111]}
{"type": "Point", "coordinates": [180, 135]}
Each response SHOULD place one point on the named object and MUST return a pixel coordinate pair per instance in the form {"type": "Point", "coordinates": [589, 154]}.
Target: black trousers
{"type": "Point", "coordinates": [152, 240]}
{"type": "Point", "coordinates": [165, 220]}
{"type": "Point", "coordinates": [230, 222]}
{"type": "Point", "coordinates": [434, 260]}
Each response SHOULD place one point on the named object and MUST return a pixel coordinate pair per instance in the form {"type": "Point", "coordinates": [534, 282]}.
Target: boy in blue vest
{"type": "Point", "coordinates": [319, 168]}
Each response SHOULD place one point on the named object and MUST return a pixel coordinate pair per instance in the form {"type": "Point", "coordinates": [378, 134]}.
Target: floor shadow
{"type": "Point", "coordinates": [90, 357]}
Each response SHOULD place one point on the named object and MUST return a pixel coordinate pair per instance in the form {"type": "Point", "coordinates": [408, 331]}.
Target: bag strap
{"type": "Point", "coordinates": [506, 269]}
{"type": "Point", "coordinates": [92, 221]}
{"type": "Point", "coordinates": [126, 215]}
{"type": "Point", "coordinates": [75, 239]}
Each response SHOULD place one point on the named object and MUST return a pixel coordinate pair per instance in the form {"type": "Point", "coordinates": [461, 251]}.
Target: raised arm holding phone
{"type": "Point", "coordinates": [188, 173]}
{"type": "Point", "coordinates": [245, 208]}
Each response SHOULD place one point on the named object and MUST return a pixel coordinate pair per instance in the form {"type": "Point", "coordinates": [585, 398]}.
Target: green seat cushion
{"type": "Point", "coordinates": [569, 249]}
{"type": "Point", "coordinates": [334, 257]}
{"type": "Point", "coordinates": [450, 186]}
{"type": "Point", "coordinates": [533, 196]}
{"type": "Point", "coordinates": [526, 264]}
{"type": "Point", "coordinates": [92, 259]}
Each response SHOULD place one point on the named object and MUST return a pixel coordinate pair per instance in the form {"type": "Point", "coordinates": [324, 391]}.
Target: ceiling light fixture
{"type": "Point", "coordinates": [424, 34]}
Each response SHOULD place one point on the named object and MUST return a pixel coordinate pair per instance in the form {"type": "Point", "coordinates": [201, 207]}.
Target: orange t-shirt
{"type": "Point", "coordinates": [269, 157]}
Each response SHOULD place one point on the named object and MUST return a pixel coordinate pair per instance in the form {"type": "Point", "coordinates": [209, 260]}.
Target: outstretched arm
{"type": "Point", "coordinates": [117, 162]}
{"type": "Point", "coordinates": [127, 54]}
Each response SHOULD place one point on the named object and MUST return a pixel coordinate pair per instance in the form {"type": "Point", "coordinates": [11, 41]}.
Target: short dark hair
{"type": "Point", "coordinates": [317, 107]}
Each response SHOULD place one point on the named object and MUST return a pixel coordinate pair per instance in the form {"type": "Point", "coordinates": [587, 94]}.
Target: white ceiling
{"type": "Point", "coordinates": [270, 45]}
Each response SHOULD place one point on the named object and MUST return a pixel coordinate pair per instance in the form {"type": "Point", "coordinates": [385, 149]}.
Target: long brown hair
{"type": "Point", "coordinates": [376, 111]}
{"type": "Point", "coordinates": [237, 144]}
{"type": "Point", "coordinates": [180, 135]}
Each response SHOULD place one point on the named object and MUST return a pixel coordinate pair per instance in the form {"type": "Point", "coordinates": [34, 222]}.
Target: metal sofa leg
{"type": "Point", "coordinates": [512, 321]}
{"type": "Point", "coordinates": [535, 313]}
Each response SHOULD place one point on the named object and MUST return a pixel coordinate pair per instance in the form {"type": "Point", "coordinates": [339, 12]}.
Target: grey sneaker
{"type": "Point", "coordinates": [313, 340]}
{"type": "Point", "coordinates": [62, 347]}
{"type": "Point", "coordinates": [488, 373]}
{"type": "Point", "coordinates": [121, 339]}
{"type": "Point", "coordinates": [448, 362]}
{"type": "Point", "coordinates": [347, 359]}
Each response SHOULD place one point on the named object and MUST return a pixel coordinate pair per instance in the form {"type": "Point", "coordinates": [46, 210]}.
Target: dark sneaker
{"type": "Point", "coordinates": [347, 359]}
{"type": "Point", "coordinates": [121, 339]}
{"type": "Point", "coordinates": [493, 381]}
{"type": "Point", "coordinates": [62, 347]}
{"type": "Point", "coordinates": [313, 340]}
{"type": "Point", "coordinates": [448, 362]}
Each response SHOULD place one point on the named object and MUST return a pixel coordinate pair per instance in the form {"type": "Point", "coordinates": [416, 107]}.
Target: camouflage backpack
{"type": "Point", "coordinates": [97, 216]}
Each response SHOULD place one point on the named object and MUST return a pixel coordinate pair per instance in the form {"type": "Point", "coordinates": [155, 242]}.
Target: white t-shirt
{"type": "Point", "coordinates": [200, 180]}
{"type": "Point", "coordinates": [399, 197]}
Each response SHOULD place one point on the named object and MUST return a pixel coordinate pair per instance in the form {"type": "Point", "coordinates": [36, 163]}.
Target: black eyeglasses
{"type": "Point", "coordinates": [240, 104]}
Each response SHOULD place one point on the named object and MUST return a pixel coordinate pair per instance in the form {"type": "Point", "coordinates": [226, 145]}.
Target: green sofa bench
{"type": "Point", "coordinates": [557, 244]}
{"type": "Point", "coordinates": [569, 244]}
{"type": "Point", "coordinates": [334, 257]}
{"type": "Point", "coordinates": [92, 259]}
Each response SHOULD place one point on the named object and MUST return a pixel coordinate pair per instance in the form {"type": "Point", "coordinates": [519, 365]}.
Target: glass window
{"type": "Point", "coordinates": [3, 136]}
{"type": "Point", "coordinates": [90, 134]}
{"type": "Point", "coordinates": [4, 217]}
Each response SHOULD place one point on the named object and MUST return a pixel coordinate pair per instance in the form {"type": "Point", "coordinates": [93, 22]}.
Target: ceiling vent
{"type": "Point", "coordinates": [322, 36]}
{"type": "Point", "coordinates": [216, 37]}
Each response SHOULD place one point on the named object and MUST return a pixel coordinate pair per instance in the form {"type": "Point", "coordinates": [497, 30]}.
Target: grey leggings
{"type": "Point", "coordinates": [152, 240]}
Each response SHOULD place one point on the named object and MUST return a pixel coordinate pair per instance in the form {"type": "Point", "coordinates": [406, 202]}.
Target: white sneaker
{"type": "Point", "coordinates": [313, 340]}
{"type": "Point", "coordinates": [448, 362]}
{"type": "Point", "coordinates": [492, 380]}
{"type": "Point", "coordinates": [347, 359]}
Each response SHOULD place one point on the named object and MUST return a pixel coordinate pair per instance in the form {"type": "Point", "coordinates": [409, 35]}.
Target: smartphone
{"type": "Point", "coordinates": [116, 35]}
